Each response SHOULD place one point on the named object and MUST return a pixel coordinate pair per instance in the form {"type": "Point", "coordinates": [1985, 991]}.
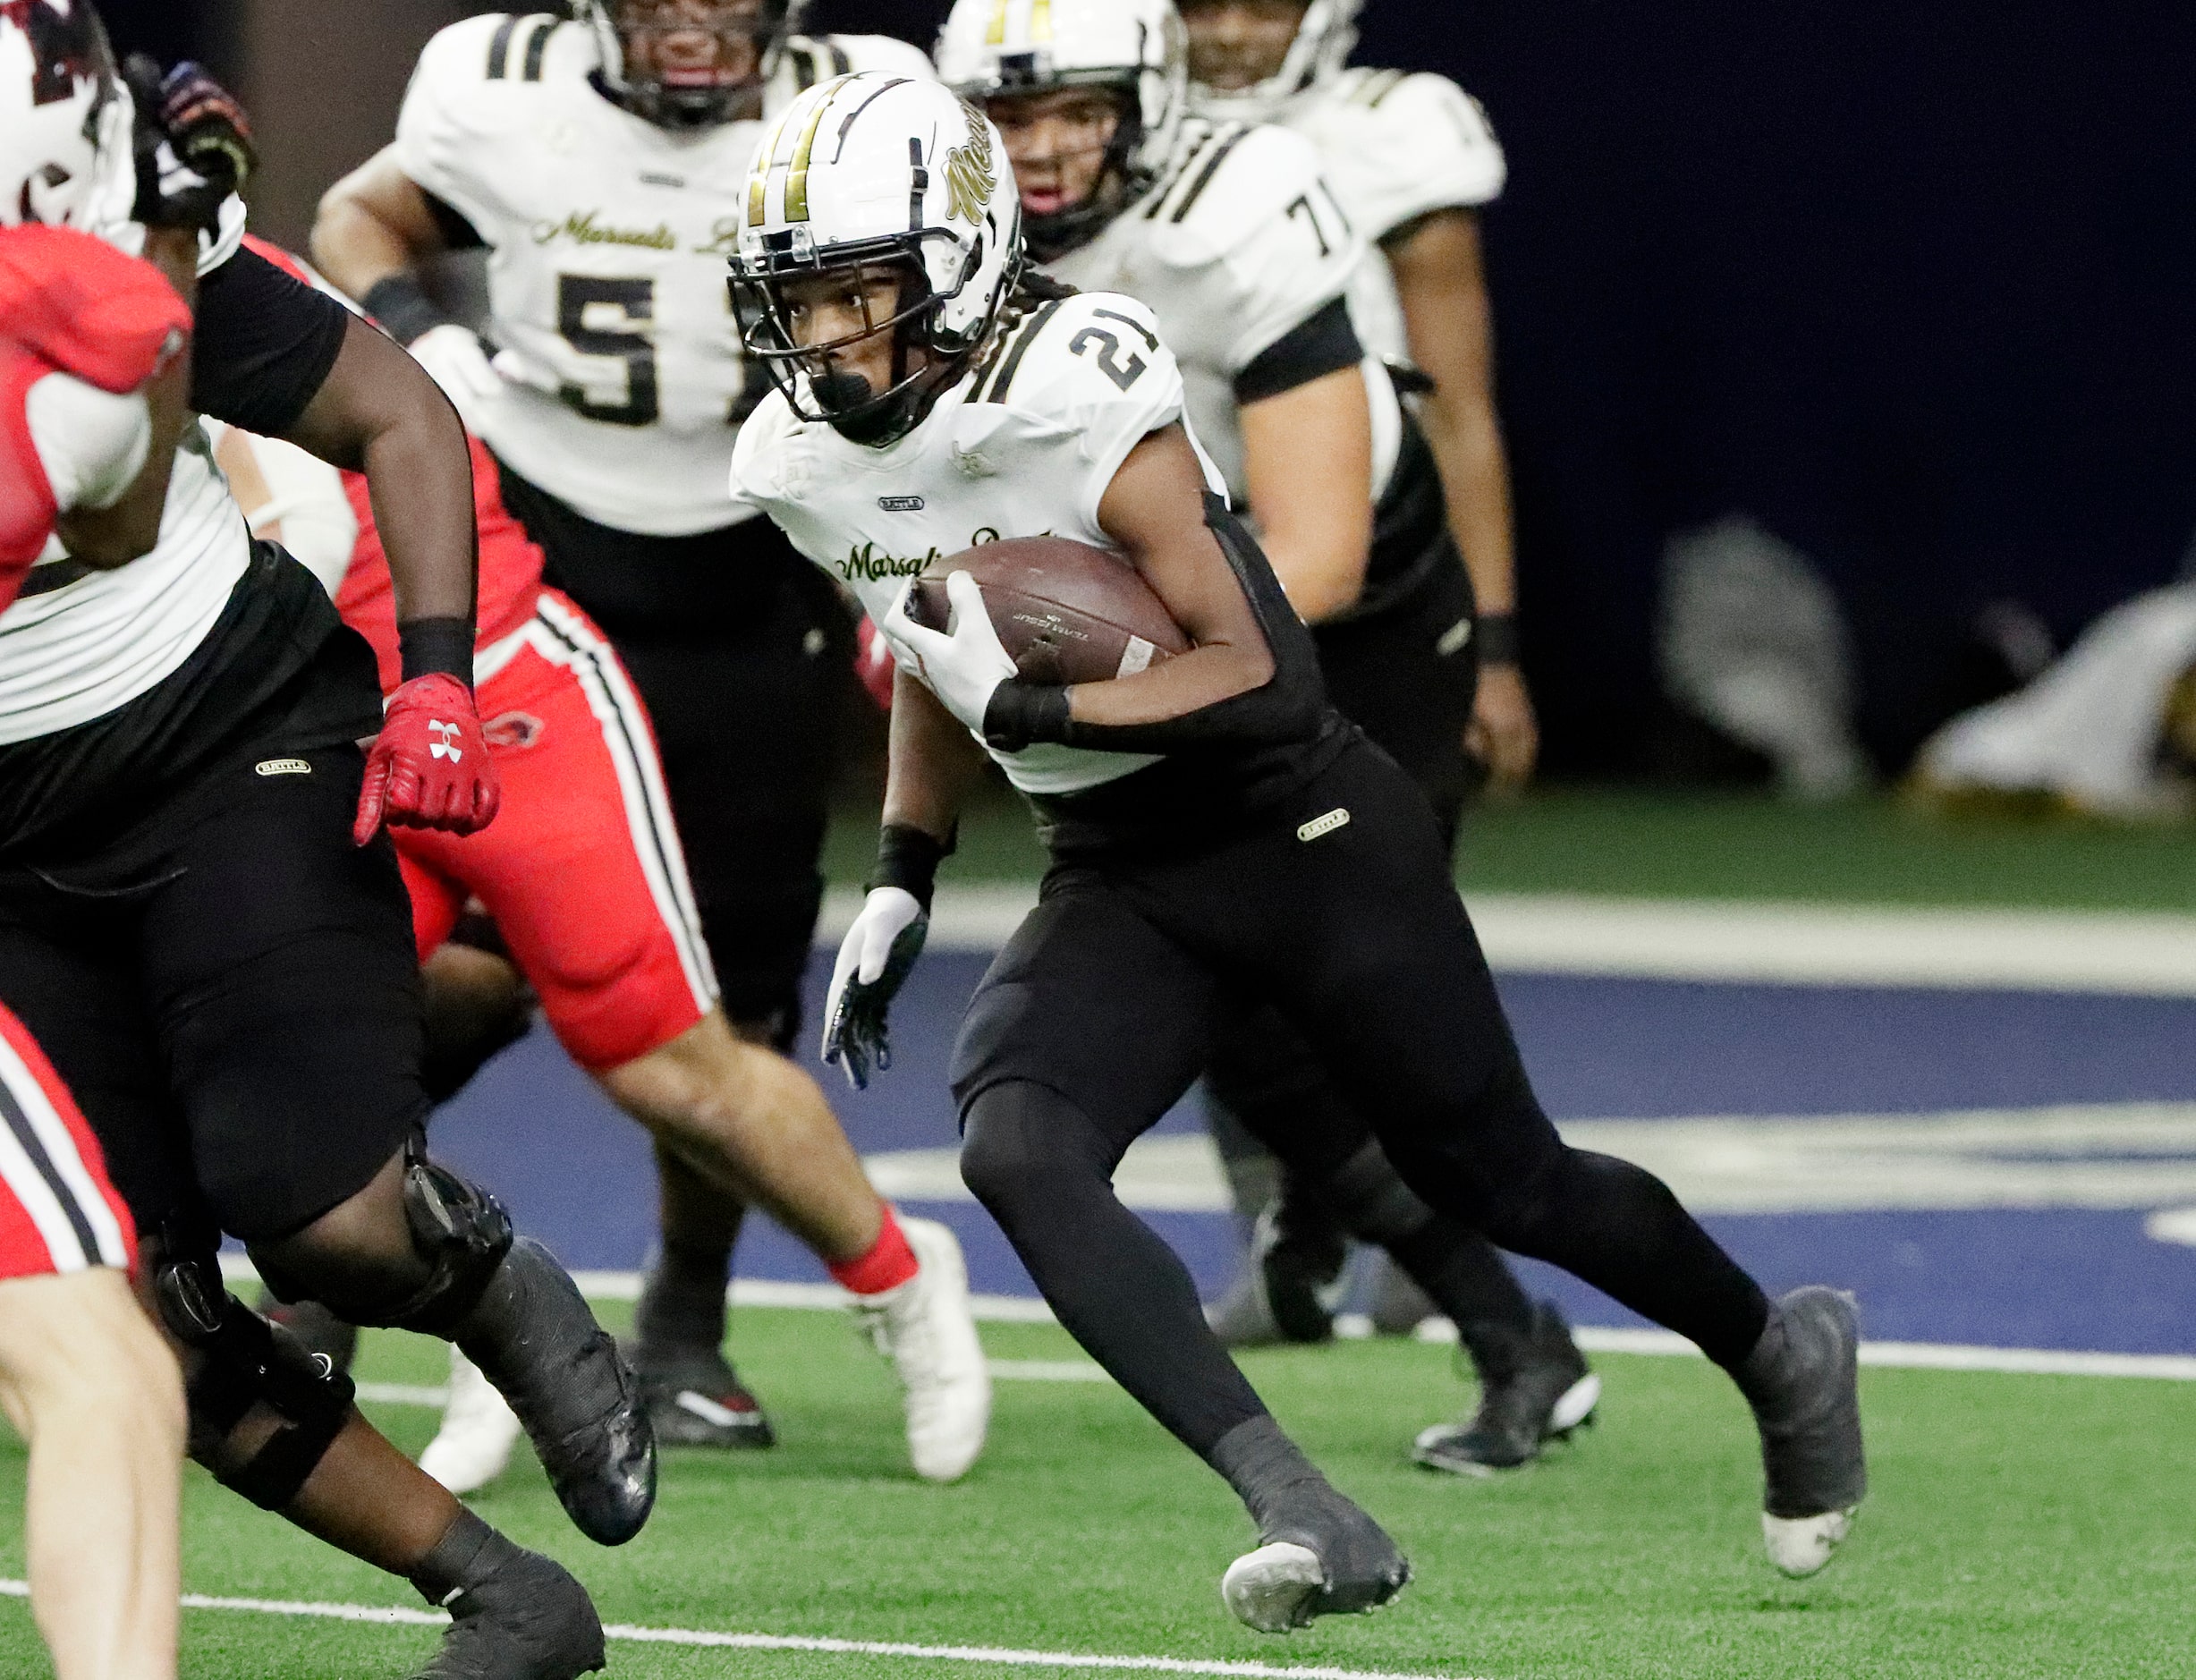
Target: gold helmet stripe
{"type": "Point", "coordinates": [996, 36]}
{"type": "Point", "coordinates": [758, 183]}
{"type": "Point", "coordinates": [1040, 20]}
{"type": "Point", "coordinates": [797, 180]}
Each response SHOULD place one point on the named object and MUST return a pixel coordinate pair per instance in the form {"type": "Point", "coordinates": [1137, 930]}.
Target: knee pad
{"type": "Point", "coordinates": [1370, 1198]}
{"type": "Point", "coordinates": [462, 1234]}
{"type": "Point", "coordinates": [246, 1364]}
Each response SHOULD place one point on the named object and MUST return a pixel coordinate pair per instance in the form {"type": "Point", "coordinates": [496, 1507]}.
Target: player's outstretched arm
{"type": "Point", "coordinates": [1307, 467]}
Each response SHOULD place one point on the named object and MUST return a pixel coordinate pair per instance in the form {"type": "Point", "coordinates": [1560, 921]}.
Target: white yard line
{"type": "Point", "coordinates": [1775, 943]}
{"type": "Point", "coordinates": [995, 1655]}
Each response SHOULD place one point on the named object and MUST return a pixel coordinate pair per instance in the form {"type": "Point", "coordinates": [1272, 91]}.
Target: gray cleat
{"type": "Point", "coordinates": [524, 1617]}
{"type": "Point", "coordinates": [1319, 1555]}
{"type": "Point", "coordinates": [1802, 1380]}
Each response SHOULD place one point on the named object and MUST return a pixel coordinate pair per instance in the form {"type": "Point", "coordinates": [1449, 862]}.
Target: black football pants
{"type": "Point", "coordinates": [1339, 911]}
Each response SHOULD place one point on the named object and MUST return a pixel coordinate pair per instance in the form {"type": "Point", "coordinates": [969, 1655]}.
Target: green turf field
{"type": "Point", "coordinates": [1635, 842]}
{"type": "Point", "coordinates": [2020, 1526]}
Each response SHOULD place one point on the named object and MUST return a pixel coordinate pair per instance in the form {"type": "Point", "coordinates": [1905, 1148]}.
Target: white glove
{"type": "Point", "coordinates": [874, 959]}
{"type": "Point", "coordinates": [455, 360]}
{"type": "Point", "coordinates": [960, 665]}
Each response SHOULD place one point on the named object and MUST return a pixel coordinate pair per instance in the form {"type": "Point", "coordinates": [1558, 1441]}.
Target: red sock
{"type": "Point", "coordinates": [888, 1264]}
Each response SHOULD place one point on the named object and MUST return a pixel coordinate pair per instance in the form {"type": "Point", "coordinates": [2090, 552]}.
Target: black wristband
{"type": "Point", "coordinates": [907, 858]}
{"type": "Point", "coordinates": [401, 304]}
{"type": "Point", "coordinates": [1022, 712]}
{"type": "Point", "coordinates": [431, 647]}
{"type": "Point", "coordinates": [1497, 638]}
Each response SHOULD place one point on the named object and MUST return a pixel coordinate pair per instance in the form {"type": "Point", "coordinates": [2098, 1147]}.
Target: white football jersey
{"type": "Point", "coordinates": [1026, 446]}
{"type": "Point", "coordinates": [608, 242]}
{"type": "Point", "coordinates": [1239, 243]}
{"type": "Point", "coordinates": [1394, 148]}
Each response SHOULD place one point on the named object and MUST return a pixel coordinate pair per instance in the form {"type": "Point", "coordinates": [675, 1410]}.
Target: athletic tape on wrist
{"type": "Point", "coordinates": [1497, 638]}
{"type": "Point", "coordinates": [401, 304]}
{"type": "Point", "coordinates": [907, 858]}
{"type": "Point", "coordinates": [436, 645]}
{"type": "Point", "coordinates": [1021, 713]}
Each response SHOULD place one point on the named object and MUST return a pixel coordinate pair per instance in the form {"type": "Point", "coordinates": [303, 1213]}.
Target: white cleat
{"type": "Point", "coordinates": [925, 1328]}
{"type": "Point", "coordinates": [1799, 1546]}
{"type": "Point", "coordinates": [1576, 1405]}
{"type": "Point", "coordinates": [1272, 1589]}
{"type": "Point", "coordinates": [478, 1433]}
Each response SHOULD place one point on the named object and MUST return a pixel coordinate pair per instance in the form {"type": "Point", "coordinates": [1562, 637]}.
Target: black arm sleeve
{"type": "Point", "coordinates": [263, 346]}
{"type": "Point", "coordinates": [1291, 705]}
{"type": "Point", "coordinates": [1325, 342]}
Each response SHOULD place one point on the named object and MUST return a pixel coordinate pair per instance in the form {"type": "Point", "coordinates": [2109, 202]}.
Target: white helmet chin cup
{"type": "Point", "coordinates": [992, 47]}
{"type": "Point", "coordinates": [64, 124]}
{"type": "Point", "coordinates": [1323, 44]}
{"type": "Point", "coordinates": [881, 170]}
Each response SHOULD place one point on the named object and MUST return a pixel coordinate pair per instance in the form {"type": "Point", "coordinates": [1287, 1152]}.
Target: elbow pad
{"type": "Point", "coordinates": [1290, 704]}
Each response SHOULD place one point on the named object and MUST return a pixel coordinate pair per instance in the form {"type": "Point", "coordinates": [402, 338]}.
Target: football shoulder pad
{"type": "Point", "coordinates": [476, 88]}
{"type": "Point", "coordinates": [1230, 184]}
{"type": "Point", "coordinates": [808, 59]}
{"type": "Point", "coordinates": [1397, 146]}
{"type": "Point", "coordinates": [84, 309]}
{"type": "Point", "coordinates": [1092, 362]}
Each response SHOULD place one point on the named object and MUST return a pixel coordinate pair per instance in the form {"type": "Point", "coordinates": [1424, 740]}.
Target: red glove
{"type": "Point", "coordinates": [873, 663]}
{"type": "Point", "coordinates": [430, 768]}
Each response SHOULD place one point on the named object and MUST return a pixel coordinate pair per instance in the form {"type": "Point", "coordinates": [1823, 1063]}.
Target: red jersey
{"type": "Point", "coordinates": [72, 304]}
{"type": "Point", "coordinates": [510, 569]}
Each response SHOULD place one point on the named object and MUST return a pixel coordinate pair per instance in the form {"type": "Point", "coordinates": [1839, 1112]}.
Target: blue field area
{"type": "Point", "coordinates": [1920, 1225]}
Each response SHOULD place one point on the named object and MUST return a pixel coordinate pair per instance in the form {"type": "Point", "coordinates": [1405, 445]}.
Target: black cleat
{"type": "Point", "coordinates": [1288, 1287]}
{"type": "Point", "coordinates": [523, 1618]}
{"type": "Point", "coordinates": [1533, 1388]}
{"type": "Point", "coordinates": [534, 1337]}
{"type": "Point", "coordinates": [696, 1399]}
{"type": "Point", "coordinates": [1802, 1380]}
{"type": "Point", "coordinates": [1319, 1555]}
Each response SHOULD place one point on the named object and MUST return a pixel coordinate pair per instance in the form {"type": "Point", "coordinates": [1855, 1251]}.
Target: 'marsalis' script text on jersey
{"type": "Point", "coordinates": [608, 238]}
{"type": "Point", "coordinates": [1026, 446]}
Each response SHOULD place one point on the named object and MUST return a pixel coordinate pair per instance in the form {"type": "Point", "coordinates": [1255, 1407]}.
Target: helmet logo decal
{"type": "Point", "coordinates": [971, 175]}
{"type": "Point", "coordinates": [66, 47]}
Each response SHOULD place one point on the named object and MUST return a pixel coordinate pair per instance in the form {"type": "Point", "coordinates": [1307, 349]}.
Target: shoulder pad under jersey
{"type": "Point", "coordinates": [808, 59]}
{"type": "Point", "coordinates": [1396, 147]}
{"type": "Point", "coordinates": [1229, 185]}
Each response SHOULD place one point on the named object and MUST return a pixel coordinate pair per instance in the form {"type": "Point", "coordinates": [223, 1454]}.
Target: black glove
{"type": "Point", "coordinates": [193, 145]}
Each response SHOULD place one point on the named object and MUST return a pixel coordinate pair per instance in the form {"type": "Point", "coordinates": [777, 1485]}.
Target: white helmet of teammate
{"type": "Point", "coordinates": [708, 98]}
{"type": "Point", "coordinates": [1322, 47]}
{"type": "Point", "coordinates": [64, 125]}
{"type": "Point", "coordinates": [1007, 48]}
{"type": "Point", "coordinates": [888, 175]}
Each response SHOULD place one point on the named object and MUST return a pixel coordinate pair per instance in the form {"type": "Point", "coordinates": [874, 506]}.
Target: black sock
{"type": "Point", "coordinates": [469, 1551]}
{"type": "Point", "coordinates": [682, 1305]}
{"type": "Point", "coordinates": [1262, 1465]}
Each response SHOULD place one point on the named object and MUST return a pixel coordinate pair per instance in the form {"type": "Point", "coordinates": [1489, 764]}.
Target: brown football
{"type": "Point", "coordinates": [1065, 611]}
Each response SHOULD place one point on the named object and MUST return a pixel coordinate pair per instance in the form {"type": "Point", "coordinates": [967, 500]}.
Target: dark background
{"type": "Point", "coordinates": [1915, 286]}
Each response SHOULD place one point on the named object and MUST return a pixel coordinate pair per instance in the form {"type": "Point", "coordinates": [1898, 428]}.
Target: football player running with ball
{"type": "Point", "coordinates": [1218, 832]}
{"type": "Point", "coordinates": [1229, 234]}
{"type": "Point", "coordinates": [599, 158]}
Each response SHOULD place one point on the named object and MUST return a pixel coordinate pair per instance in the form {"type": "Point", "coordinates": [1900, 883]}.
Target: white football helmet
{"type": "Point", "coordinates": [64, 124]}
{"type": "Point", "coordinates": [1323, 44]}
{"type": "Point", "coordinates": [671, 104]}
{"type": "Point", "coordinates": [1007, 49]}
{"type": "Point", "coordinates": [890, 175]}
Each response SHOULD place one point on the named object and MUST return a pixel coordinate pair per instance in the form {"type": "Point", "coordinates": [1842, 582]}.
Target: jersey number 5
{"type": "Point", "coordinates": [600, 316]}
